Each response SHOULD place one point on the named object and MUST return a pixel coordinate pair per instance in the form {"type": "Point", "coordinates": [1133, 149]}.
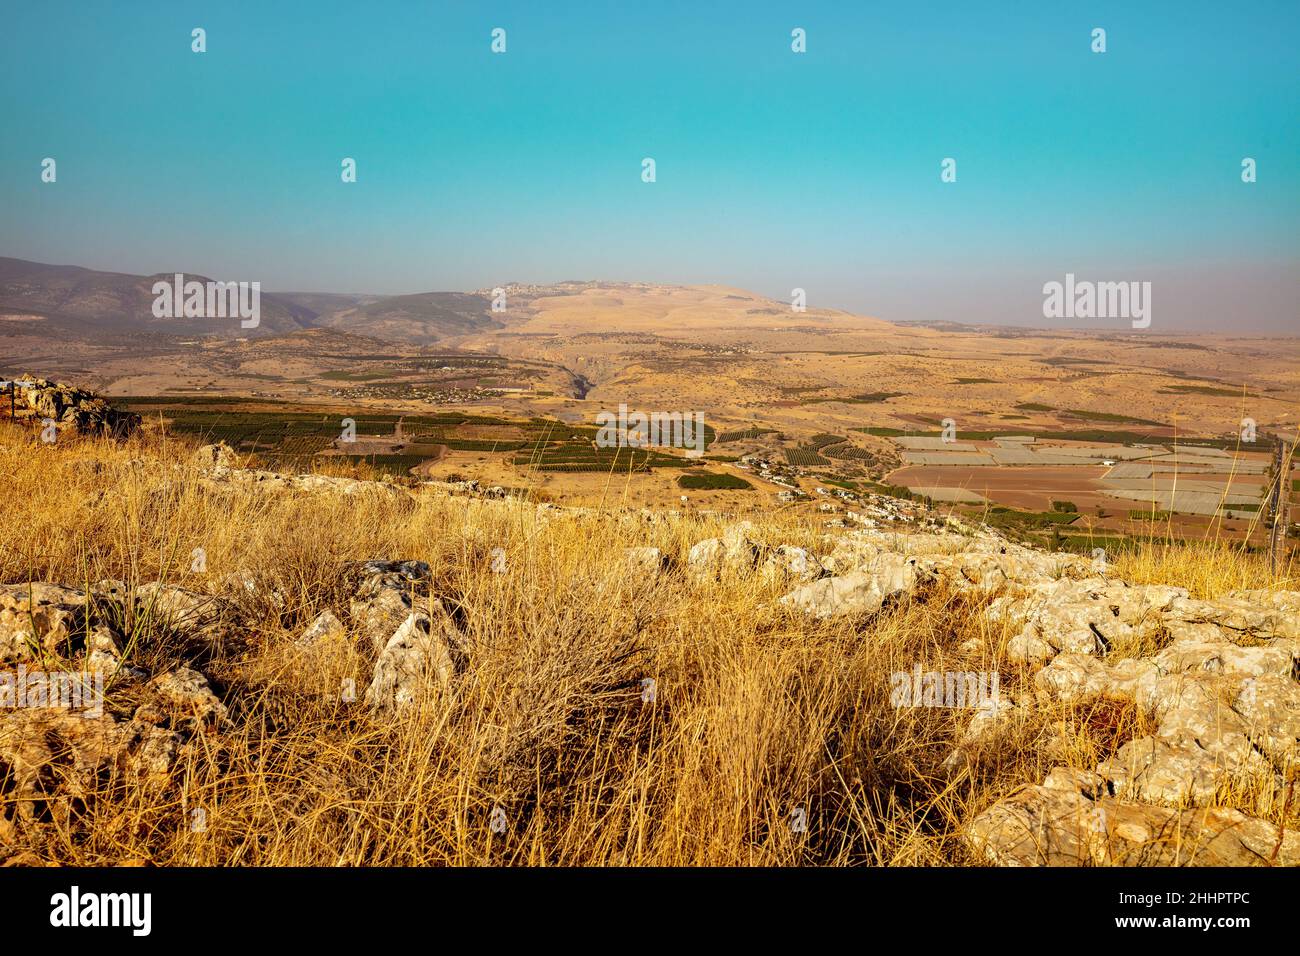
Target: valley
{"type": "Point", "coordinates": [1129, 429]}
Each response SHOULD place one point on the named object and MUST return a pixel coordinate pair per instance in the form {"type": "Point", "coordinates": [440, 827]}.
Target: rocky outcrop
{"type": "Point", "coordinates": [416, 639]}
{"type": "Point", "coordinates": [1215, 679]}
{"type": "Point", "coordinates": [63, 657]}
{"type": "Point", "coordinates": [649, 562]}
{"type": "Point", "coordinates": [385, 595]}
{"type": "Point", "coordinates": [788, 563]}
{"type": "Point", "coordinates": [889, 576]}
{"type": "Point", "coordinates": [1227, 719]}
{"type": "Point", "coordinates": [183, 610]}
{"type": "Point", "coordinates": [1088, 616]}
{"type": "Point", "coordinates": [83, 748]}
{"type": "Point", "coordinates": [57, 748]}
{"type": "Point", "coordinates": [735, 553]}
{"type": "Point", "coordinates": [218, 455]}
{"type": "Point", "coordinates": [68, 407]}
{"type": "Point", "coordinates": [42, 618]}
{"type": "Point", "coordinates": [1226, 716]}
{"type": "Point", "coordinates": [1070, 821]}
{"type": "Point", "coordinates": [415, 663]}
{"type": "Point", "coordinates": [219, 474]}
{"type": "Point", "coordinates": [324, 627]}
{"type": "Point", "coordinates": [185, 694]}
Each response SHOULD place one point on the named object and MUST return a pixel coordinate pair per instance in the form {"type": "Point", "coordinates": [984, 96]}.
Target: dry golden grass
{"type": "Point", "coordinates": [757, 712]}
{"type": "Point", "coordinates": [1208, 569]}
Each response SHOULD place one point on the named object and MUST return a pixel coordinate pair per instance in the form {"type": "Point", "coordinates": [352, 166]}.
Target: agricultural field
{"type": "Point", "coordinates": [805, 456]}
{"type": "Point", "coordinates": [709, 481]}
{"type": "Point", "coordinates": [775, 386]}
{"type": "Point", "coordinates": [1193, 488]}
{"type": "Point", "coordinates": [397, 444]}
{"type": "Point", "coordinates": [744, 433]}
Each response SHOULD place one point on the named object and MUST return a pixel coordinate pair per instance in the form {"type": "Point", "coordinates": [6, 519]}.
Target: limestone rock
{"type": "Point", "coordinates": [103, 653]}
{"type": "Point", "coordinates": [57, 755]}
{"type": "Point", "coordinates": [650, 562]}
{"type": "Point", "coordinates": [218, 455]}
{"type": "Point", "coordinates": [33, 741]}
{"type": "Point", "coordinates": [740, 553]}
{"type": "Point", "coordinates": [860, 592]}
{"type": "Point", "coordinates": [1059, 826]}
{"type": "Point", "coordinates": [48, 616]}
{"type": "Point", "coordinates": [787, 562]}
{"type": "Point", "coordinates": [704, 562]}
{"type": "Point", "coordinates": [219, 478]}
{"type": "Point", "coordinates": [991, 716]}
{"type": "Point", "coordinates": [392, 573]}
{"type": "Point", "coordinates": [1091, 785]}
{"type": "Point", "coordinates": [1192, 631]}
{"type": "Point", "coordinates": [187, 693]}
{"type": "Point", "coordinates": [415, 662]}
{"type": "Point", "coordinates": [1259, 613]}
{"type": "Point", "coordinates": [1181, 770]}
{"type": "Point", "coordinates": [154, 752]}
{"type": "Point", "coordinates": [385, 597]}
{"type": "Point", "coordinates": [1270, 709]}
{"type": "Point", "coordinates": [325, 627]}
{"type": "Point", "coordinates": [851, 554]}
{"type": "Point", "coordinates": [69, 407]}
{"type": "Point", "coordinates": [1086, 616]}
{"type": "Point", "coordinates": [1223, 658]}
{"type": "Point", "coordinates": [181, 609]}
{"type": "Point", "coordinates": [1073, 676]}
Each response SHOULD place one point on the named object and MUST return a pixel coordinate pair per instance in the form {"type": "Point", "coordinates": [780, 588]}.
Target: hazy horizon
{"type": "Point", "coordinates": [774, 169]}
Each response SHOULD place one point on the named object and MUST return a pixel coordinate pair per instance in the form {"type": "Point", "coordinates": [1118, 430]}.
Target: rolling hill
{"type": "Point", "coordinates": [90, 302]}
{"type": "Point", "coordinates": [94, 304]}
{"type": "Point", "coordinates": [424, 318]}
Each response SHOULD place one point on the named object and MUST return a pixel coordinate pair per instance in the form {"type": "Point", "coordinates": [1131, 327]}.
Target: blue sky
{"type": "Point", "coordinates": [775, 169]}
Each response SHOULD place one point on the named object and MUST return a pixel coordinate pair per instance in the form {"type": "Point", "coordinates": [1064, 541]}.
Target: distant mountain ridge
{"type": "Point", "coordinates": [87, 300]}
{"type": "Point", "coordinates": [94, 303]}
{"type": "Point", "coordinates": [420, 319]}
